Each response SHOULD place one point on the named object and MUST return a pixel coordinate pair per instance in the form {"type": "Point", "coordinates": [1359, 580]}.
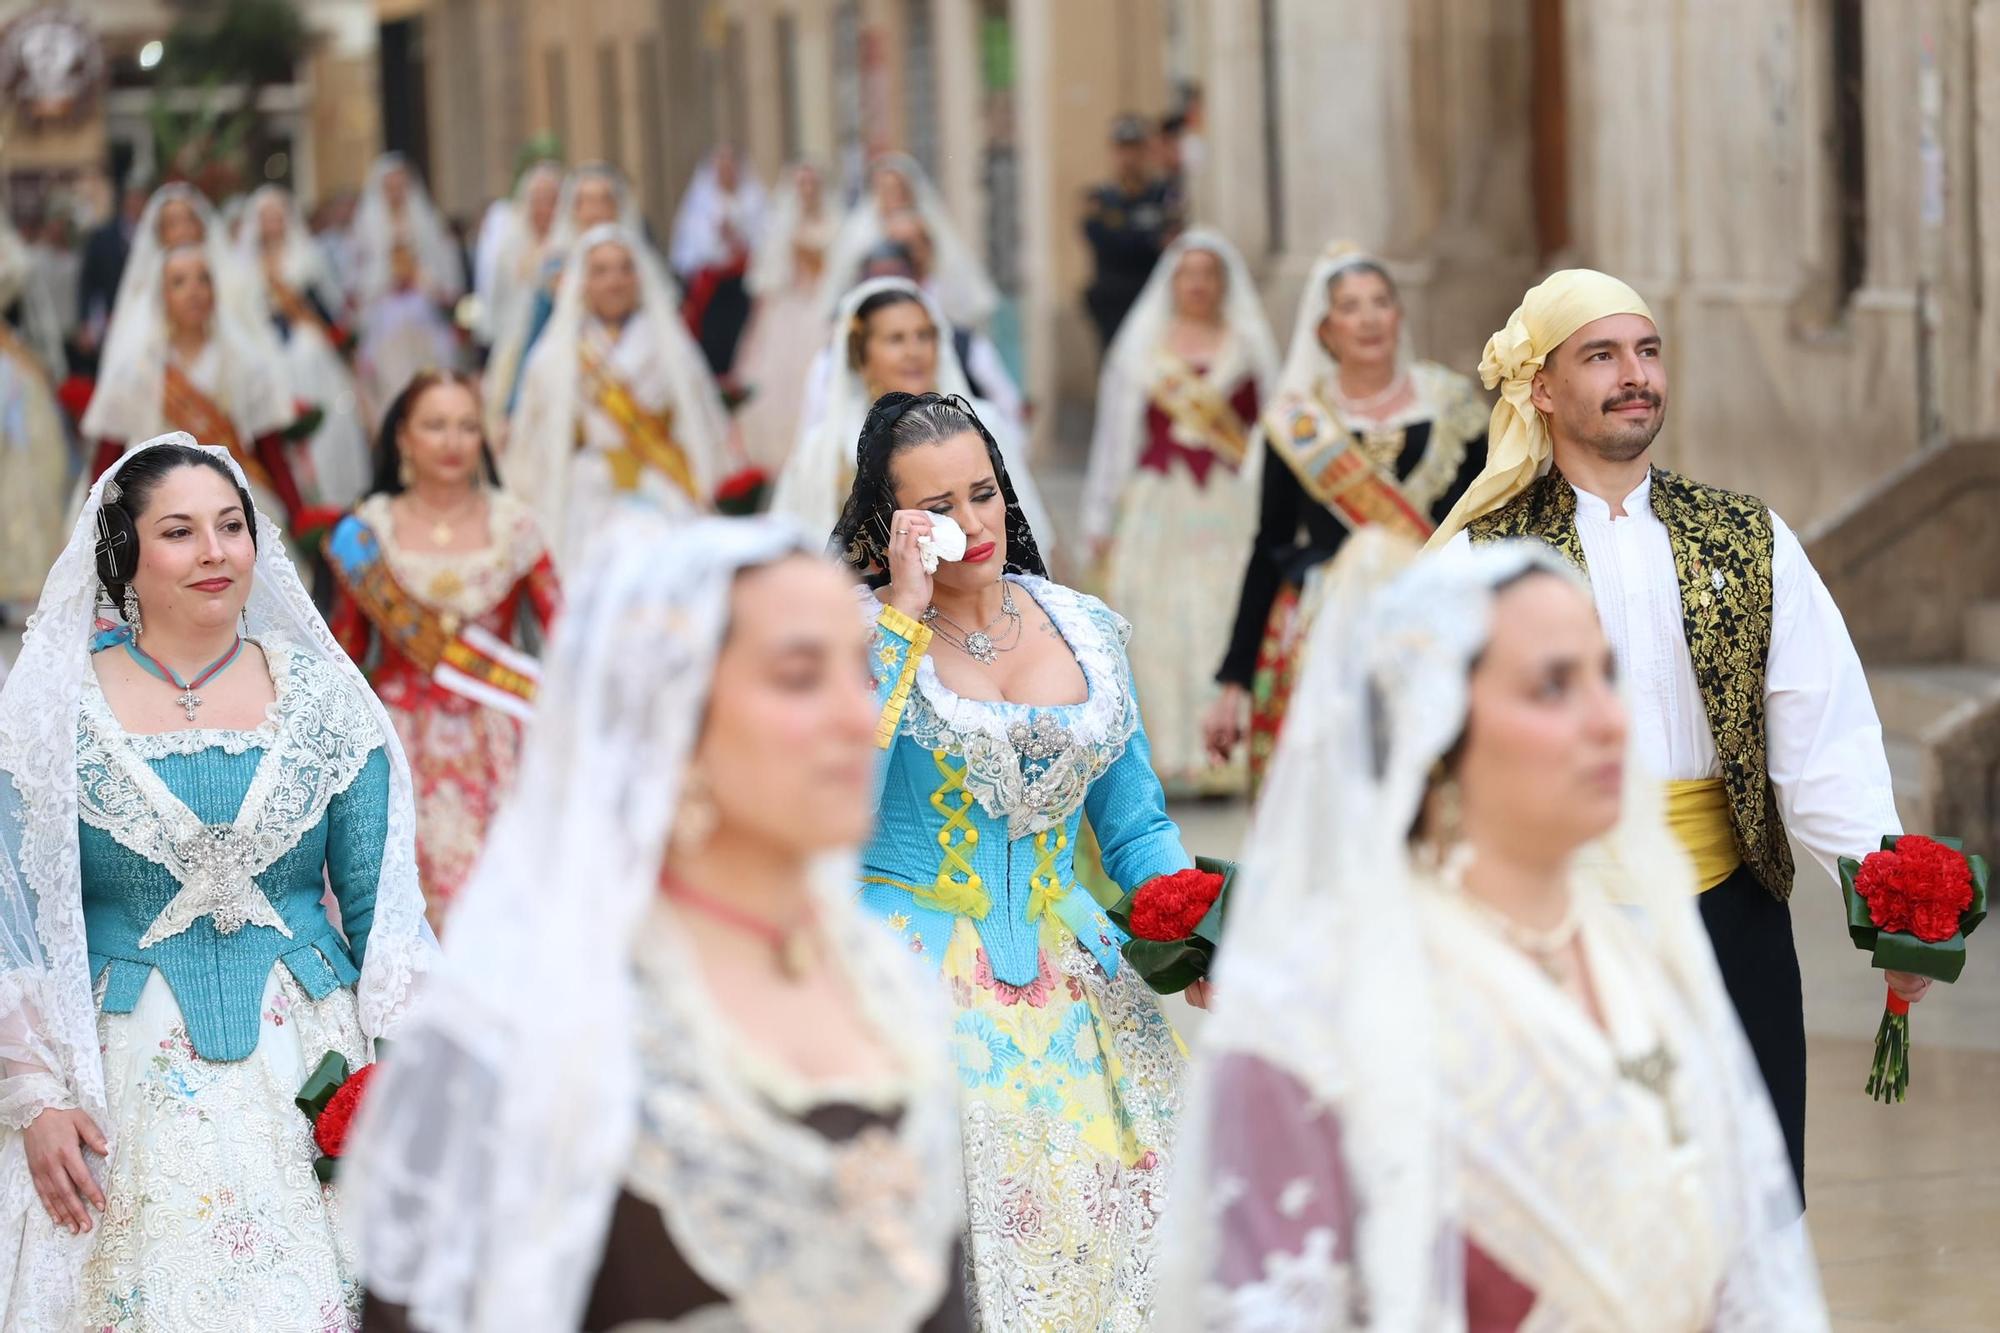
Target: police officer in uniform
{"type": "Point", "coordinates": [1129, 220]}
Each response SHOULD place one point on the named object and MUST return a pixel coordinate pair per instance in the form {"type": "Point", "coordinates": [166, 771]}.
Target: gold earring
{"type": "Point", "coordinates": [694, 822]}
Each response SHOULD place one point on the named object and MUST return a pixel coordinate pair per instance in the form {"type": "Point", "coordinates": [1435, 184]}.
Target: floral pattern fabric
{"type": "Point", "coordinates": [213, 1217]}
{"type": "Point", "coordinates": [462, 754]}
{"type": "Point", "coordinates": [1069, 1087]}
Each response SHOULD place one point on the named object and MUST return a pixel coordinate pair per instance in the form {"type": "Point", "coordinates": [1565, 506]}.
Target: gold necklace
{"type": "Point", "coordinates": [442, 527]}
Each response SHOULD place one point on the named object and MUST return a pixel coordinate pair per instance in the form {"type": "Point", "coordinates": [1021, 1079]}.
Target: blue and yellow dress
{"type": "Point", "coordinates": [221, 982]}
{"type": "Point", "coordinates": [1070, 1075]}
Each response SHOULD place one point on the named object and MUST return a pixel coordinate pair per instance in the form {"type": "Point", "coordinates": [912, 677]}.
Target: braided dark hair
{"type": "Point", "coordinates": [388, 459]}
{"type": "Point", "coordinates": [126, 496]}
{"type": "Point", "coordinates": [901, 421]}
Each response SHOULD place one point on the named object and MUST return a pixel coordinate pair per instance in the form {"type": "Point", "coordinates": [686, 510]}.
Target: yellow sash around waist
{"type": "Point", "coordinates": [1698, 817]}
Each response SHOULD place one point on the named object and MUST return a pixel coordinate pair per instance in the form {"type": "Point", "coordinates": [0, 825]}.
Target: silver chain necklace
{"type": "Point", "coordinates": [980, 645]}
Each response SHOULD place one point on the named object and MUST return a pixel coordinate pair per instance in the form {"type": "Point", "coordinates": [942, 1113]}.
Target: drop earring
{"type": "Point", "coordinates": [694, 822]}
{"type": "Point", "coordinates": [130, 609]}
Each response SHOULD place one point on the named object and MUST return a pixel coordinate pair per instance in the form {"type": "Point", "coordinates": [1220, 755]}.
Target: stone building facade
{"type": "Point", "coordinates": [1791, 182]}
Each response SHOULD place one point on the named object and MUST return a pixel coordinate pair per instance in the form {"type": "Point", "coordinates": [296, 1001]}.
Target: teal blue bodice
{"type": "Point", "coordinates": [981, 801]}
{"type": "Point", "coordinates": [204, 854]}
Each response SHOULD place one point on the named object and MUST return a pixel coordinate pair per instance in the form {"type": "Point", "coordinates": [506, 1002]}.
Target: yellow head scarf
{"type": "Point", "coordinates": [1517, 440]}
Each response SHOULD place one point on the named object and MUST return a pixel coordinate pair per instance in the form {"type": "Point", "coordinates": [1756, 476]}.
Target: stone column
{"type": "Point", "coordinates": [1231, 188]}
{"type": "Point", "coordinates": [962, 136]}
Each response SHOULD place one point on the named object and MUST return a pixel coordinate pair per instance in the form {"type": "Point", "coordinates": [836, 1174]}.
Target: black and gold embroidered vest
{"type": "Point", "coordinates": [1722, 553]}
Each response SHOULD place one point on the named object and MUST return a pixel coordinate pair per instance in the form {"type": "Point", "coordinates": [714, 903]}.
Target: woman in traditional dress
{"type": "Point", "coordinates": [178, 214]}
{"type": "Point", "coordinates": [511, 261]}
{"type": "Point", "coordinates": [616, 401]}
{"type": "Point", "coordinates": [1008, 714]}
{"type": "Point", "coordinates": [306, 305]}
{"type": "Point", "coordinates": [1170, 501]}
{"type": "Point", "coordinates": [176, 361]}
{"type": "Point", "coordinates": [177, 791]}
{"type": "Point", "coordinates": [593, 195]}
{"type": "Point", "coordinates": [396, 211]}
{"type": "Point", "coordinates": [34, 450]}
{"type": "Point", "coordinates": [404, 334]}
{"type": "Point", "coordinates": [720, 219]}
{"type": "Point", "coordinates": [887, 336]}
{"type": "Point", "coordinates": [670, 1075]}
{"type": "Point", "coordinates": [965, 291]}
{"type": "Point", "coordinates": [1358, 433]}
{"type": "Point", "coordinates": [444, 584]}
{"type": "Point", "coordinates": [1471, 1063]}
{"type": "Point", "coordinates": [785, 329]}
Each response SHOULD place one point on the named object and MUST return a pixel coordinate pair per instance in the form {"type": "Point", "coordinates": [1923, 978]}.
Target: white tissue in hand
{"type": "Point", "coordinates": [946, 542]}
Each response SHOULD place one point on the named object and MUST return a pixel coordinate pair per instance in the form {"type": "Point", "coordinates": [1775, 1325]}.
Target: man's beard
{"type": "Point", "coordinates": [1621, 442]}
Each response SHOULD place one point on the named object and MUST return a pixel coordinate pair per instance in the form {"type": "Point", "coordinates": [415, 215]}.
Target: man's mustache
{"type": "Point", "coordinates": [1646, 396]}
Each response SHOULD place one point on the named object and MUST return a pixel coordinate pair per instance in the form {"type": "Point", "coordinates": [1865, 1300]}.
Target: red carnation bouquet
{"type": "Point", "coordinates": [330, 1099]}
{"type": "Point", "coordinates": [742, 492]}
{"type": "Point", "coordinates": [1175, 922]}
{"type": "Point", "coordinates": [1911, 905]}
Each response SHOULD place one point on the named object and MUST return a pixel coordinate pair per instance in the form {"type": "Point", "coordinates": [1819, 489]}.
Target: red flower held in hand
{"type": "Point", "coordinates": [330, 1130]}
{"type": "Point", "coordinates": [1171, 906]}
{"type": "Point", "coordinates": [1920, 887]}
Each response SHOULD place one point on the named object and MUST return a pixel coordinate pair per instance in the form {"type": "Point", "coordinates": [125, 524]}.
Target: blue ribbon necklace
{"type": "Point", "coordinates": [189, 700]}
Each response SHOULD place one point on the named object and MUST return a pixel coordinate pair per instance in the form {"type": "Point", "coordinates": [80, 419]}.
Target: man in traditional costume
{"type": "Point", "coordinates": [1747, 696]}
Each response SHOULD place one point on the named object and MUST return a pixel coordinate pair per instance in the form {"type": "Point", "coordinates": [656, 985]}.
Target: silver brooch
{"type": "Point", "coordinates": [1044, 738]}
{"type": "Point", "coordinates": [1715, 579]}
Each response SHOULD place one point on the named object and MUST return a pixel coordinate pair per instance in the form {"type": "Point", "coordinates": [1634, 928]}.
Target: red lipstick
{"type": "Point", "coordinates": [980, 554]}
{"type": "Point", "coordinates": [214, 585]}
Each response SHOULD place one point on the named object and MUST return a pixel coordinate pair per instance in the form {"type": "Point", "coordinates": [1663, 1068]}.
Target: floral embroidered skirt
{"type": "Point", "coordinates": [463, 757]}
{"type": "Point", "coordinates": [1271, 684]}
{"type": "Point", "coordinates": [1069, 1091]}
{"type": "Point", "coordinates": [213, 1217]}
{"type": "Point", "coordinates": [1176, 563]}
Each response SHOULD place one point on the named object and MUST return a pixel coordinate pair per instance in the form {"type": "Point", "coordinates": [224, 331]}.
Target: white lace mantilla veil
{"type": "Point", "coordinates": [516, 255]}
{"type": "Point", "coordinates": [542, 435]}
{"type": "Point", "coordinates": [374, 235]}
{"type": "Point", "coordinates": [488, 1156]}
{"type": "Point", "coordinates": [1119, 437]}
{"type": "Point", "coordinates": [132, 365]}
{"type": "Point", "coordinates": [772, 259]}
{"type": "Point", "coordinates": [302, 263]}
{"type": "Point", "coordinates": [48, 1018]}
{"type": "Point", "coordinates": [41, 324]}
{"type": "Point", "coordinates": [236, 289]}
{"type": "Point", "coordinates": [965, 290]}
{"type": "Point", "coordinates": [513, 324]}
{"type": "Point", "coordinates": [1325, 977]}
{"type": "Point", "coordinates": [809, 489]}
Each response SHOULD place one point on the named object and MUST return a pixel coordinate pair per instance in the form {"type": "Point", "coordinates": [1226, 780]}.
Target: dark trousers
{"type": "Point", "coordinates": [1752, 935]}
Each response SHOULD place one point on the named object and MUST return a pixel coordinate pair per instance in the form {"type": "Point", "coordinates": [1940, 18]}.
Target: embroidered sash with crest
{"type": "Point", "coordinates": [649, 436]}
{"type": "Point", "coordinates": [291, 303]}
{"type": "Point", "coordinates": [1320, 451]}
{"type": "Point", "coordinates": [1196, 406]}
{"type": "Point", "coordinates": [188, 408]}
{"type": "Point", "coordinates": [460, 656]}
